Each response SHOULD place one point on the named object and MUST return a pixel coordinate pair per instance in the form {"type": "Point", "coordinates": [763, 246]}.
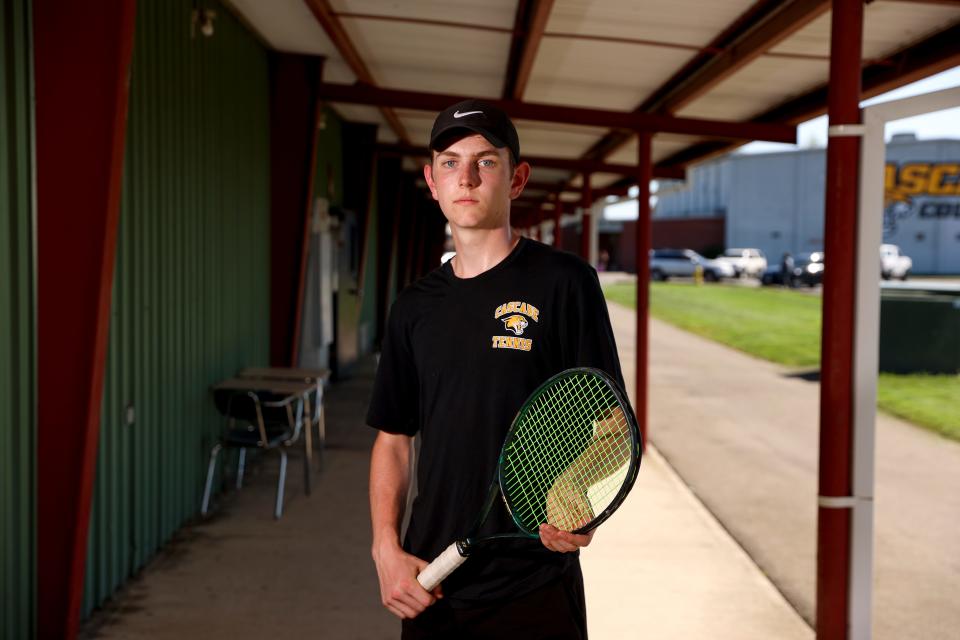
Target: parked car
{"type": "Point", "coordinates": [894, 264]}
{"type": "Point", "coordinates": [750, 262]}
{"type": "Point", "coordinates": [807, 270]}
{"type": "Point", "coordinates": [669, 263]}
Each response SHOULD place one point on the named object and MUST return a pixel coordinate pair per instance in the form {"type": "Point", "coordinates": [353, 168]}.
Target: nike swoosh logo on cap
{"type": "Point", "coordinates": [457, 114]}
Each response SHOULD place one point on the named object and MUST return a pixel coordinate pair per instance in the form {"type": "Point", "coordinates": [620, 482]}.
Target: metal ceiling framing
{"type": "Point", "coordinates": [932, 55]}
{"type": "Point", "coordinates": [529, 25]}
{"type": "Point", "coordinates": [331, 24]}
{"type": "Point", "coordinates": [756, 34]}
{"type": "Point", "coordinates": [763, 25]}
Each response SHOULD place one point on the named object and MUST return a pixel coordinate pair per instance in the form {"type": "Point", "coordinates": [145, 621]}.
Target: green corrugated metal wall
{"type": "Point", "coordinates": [17, 352]}
{"type": "Point", "coordinates": [191, 282]}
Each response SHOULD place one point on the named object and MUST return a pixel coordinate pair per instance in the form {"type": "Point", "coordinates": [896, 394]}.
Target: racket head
{"type": "Point", "coordinates": [572, 453]}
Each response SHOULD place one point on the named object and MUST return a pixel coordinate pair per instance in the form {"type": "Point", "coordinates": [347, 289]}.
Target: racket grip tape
{"type": "Point", "coordinates": [437, 571]}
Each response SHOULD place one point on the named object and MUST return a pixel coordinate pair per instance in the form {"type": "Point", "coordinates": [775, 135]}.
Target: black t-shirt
{"type": "Point", "coordinates": [459, 358]}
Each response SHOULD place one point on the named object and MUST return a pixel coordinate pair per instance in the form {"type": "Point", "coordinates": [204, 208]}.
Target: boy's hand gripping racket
{"type": "Point", "coordinates": [569, 459]}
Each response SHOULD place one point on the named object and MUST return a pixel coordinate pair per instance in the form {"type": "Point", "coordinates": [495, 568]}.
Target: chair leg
{"type": "Point", "coordinates": [211, 467]}
{"type": "Point", "coordinates": [307, 445]}
{"type": "Point", "coordinates": [321, 436]}
{"type": "Point", "coordinates": [278, 511]}
{"type": "Point", "coordinates": [241, 464]}
{"type": "Point", "coordinates": [306, 466]}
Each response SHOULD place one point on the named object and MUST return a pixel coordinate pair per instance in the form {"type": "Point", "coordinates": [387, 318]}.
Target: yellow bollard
{"type": "Point", "coordinates": [698, 275]}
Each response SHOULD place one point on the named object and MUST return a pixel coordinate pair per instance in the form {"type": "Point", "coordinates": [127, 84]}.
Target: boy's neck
{"type": "Point", "coordinates": [479, 250]}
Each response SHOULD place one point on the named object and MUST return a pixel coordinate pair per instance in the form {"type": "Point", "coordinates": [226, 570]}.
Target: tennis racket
{"type": "Point", "coordinates": [569, 460]}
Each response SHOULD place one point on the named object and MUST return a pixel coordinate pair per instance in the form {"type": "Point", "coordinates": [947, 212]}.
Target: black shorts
{"type": "Point", "coordinates": [555, 611]}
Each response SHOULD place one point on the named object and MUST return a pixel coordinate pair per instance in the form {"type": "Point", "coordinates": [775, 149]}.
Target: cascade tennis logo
{"type": "Point", "coordinates": [516, 317]}
{"type": "Point", "coordinates": [920, 188]}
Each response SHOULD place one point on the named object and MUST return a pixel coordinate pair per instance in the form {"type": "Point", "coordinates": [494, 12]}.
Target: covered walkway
{"type": "Point", "coordinates": [245, 191]}
{"type": "Point", "coordinates": [662, 567]}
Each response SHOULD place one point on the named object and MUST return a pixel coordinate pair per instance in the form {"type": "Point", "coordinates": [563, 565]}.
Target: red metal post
{"type": "Point", "coordinates": [643, 243]}
{"type": "Point", "coordinates": [82, 54]}
{"type": "Point", "coordinates": [305, 239]}
{"type": "Point", "coordinates": [587, 220]}
{"type": "Point", "coordinates": [536, 231]}
{"type": "Point", "coordinates": [557, 216]}
{"type": "Point", "coordinates": [293, 133]}
{"type": "Point", "coordinates": [839, 300]}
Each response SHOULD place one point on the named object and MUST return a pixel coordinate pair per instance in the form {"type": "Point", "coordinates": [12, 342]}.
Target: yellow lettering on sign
{"type": "Point", "coordinates": [938, 185]}
{"type": "Point", "coordinates": [913, 178]}
{"type": "Point", "coordinates": [890, 177]}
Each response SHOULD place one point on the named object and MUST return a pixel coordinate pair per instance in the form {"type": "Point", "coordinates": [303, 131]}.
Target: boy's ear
{"type": "Point", "coordinates": [521, 174]}
{"type": "Point", "coordinates": [428, 176]}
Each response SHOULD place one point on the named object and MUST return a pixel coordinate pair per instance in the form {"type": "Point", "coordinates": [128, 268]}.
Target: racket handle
{"type": "Point", "coordinates": [437, 571]}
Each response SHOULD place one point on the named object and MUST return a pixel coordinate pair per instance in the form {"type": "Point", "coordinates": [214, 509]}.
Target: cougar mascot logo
{"type": "Point", "coordinates": [516, 316]}
{"type": "Point", "coordinates": [516, 324]}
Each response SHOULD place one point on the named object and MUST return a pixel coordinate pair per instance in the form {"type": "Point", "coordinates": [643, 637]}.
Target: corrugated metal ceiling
{"type": "Point", "coordinates": [607, 54]}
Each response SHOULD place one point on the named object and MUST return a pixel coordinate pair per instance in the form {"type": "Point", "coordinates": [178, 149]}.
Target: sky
{"type": "Point", "coordinates": [942, 124]}
{"type": "Point", "coordinates": [813, 133]}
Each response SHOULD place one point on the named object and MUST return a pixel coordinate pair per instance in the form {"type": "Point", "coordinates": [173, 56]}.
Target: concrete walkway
{"type": "Point", "coordinates": [662, 567]}
{"type": "Point", "coordinates": [743, 434]}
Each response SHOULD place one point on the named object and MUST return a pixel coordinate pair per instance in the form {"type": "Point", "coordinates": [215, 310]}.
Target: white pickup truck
{"type": "Point", "coordinates": [894, 264]}
{"type": "Point", "coordinates": [750, 262]}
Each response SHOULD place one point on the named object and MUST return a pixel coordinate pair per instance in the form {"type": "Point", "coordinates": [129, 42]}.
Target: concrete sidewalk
{"type": "Point", "coordinates": [743, 435]}
{"type": "Point", "coordinates": [662, 567]}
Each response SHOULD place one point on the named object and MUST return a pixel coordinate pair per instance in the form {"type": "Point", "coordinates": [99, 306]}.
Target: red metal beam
{"type": "Point", "coordinates": [552, 187]}
{"type": "Point", "coordinates": [949, 3]}
{"type": "Point", "coordinates": [643, 244]}
{"type": "Point", "coordinates": [937, 53]}
{"type": "Point", "coordinates": [750, 35]}
{"type": "Point", "coordinates": [79, 171]}
{"type": "Point", "coordinates": [529, 25]}
{"type": "Point", "coordinates": [328, 19]}
{"type": "Point", "coordinates": [734, 47]}
{"type": "Point", "coordinates": [519, 31]}
{"type": "Point", "coordinates": [557, 218]}
{"type": "Point", "coordinates": [764, 32]}
{"type": "Point", "coordinates": [369, 95]}
{"type": "Point", "coordinates": [578, 166]}
{"type": "Point", "coordinates": [839, 310]}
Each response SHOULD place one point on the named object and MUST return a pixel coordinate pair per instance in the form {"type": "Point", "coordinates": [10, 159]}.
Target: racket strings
{"type": "Point", "coordinates": [569, 445]}
{"type": "Point", "coordinates": [568, 505]}
{"type": "Point", "coordinates": [541, 446]}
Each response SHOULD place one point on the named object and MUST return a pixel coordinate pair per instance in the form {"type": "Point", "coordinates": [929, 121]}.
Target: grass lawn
{"type": "Point", "coordinates": [784, 326]}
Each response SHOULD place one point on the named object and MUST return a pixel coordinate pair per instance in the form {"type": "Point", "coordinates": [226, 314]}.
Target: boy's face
{"type": "Point", "coordinates": [474, 183]}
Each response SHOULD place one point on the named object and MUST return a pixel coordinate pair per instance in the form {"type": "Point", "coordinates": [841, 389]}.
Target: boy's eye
{"type": "Point", "coordinates": [486, 162]}
{"type": "Point", "coordinates": [447, 164]}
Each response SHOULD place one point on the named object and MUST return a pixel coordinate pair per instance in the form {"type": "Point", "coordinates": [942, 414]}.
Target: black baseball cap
{"type": "Point", "coordinates": [479, 117]}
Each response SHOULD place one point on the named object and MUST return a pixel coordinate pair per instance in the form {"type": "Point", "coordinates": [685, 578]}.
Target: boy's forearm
{"type": "Point", "coordinates": [389, 480]}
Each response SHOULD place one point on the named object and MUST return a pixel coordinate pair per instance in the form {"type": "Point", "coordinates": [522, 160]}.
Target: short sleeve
{"type": "Point", "coordinates": [394, 405]}
{"type": "Point", "coordinates": [588, 336]}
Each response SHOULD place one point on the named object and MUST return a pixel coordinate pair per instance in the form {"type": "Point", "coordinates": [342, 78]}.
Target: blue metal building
{"type": "Point", "coordinates": [774, 201]}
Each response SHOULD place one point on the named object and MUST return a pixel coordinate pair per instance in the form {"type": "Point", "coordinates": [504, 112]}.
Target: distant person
{"type": "Point", "coordinates": [603, 262]}
{"type": "Point", "coordinates": [786, 269]}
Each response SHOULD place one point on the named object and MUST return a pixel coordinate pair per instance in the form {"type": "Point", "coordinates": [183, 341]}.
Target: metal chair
{"type": "Point", "coordinates": [315, 407]}
{"type": "Point", "coordinates": [255, 421]}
